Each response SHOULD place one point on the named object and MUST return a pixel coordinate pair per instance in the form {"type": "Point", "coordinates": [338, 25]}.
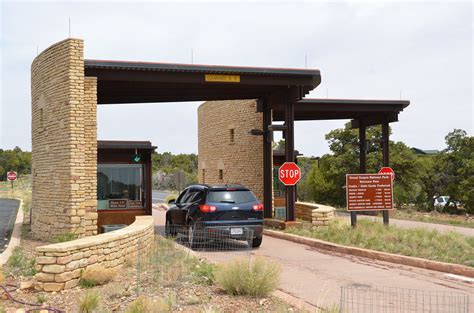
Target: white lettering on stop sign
{"type": "Point", "coordinates": [289, 173]}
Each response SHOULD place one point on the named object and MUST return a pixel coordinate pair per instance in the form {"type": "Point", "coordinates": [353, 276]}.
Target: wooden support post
{"type": "Point", "coordinates": [385, 153]}
{"type": "Point", "coordinates": [267, 161]}
{"type": "Point", "coordinates": [290, 156]}
{"type": "Point", "coordinates": [362, 161]}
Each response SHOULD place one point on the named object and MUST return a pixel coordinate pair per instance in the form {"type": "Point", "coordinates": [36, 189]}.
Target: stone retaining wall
{"type": "Point", "coordinates": [317, 214]}
{"type": "Point", "coordinates": [60, 266]}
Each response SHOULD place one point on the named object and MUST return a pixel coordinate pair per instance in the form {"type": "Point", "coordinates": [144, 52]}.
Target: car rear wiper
{"type": "Point", "coordinates": [227, 201]}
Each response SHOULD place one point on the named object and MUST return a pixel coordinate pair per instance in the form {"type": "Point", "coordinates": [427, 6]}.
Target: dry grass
{"type": "Point", "coordinates": [255, 278]}
{"type": "Point", "coordinates": [145, 305]}
{"type": "Point", "coordinates": [89, 302]}
{"type": "Point", "coordinates": [97, 275]}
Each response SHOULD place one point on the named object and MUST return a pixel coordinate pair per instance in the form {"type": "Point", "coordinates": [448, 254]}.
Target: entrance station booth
{"type": "Point", "coordinates": [124, 184]}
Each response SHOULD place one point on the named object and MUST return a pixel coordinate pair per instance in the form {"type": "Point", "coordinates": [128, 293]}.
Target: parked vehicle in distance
{"type": "Point", "coordinates": [228, 211]}
{"type": "Point", "coordinates": [441, 201]}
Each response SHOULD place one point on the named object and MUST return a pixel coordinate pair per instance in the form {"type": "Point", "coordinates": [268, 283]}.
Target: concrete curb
{"type": "Point", "coordinates": [376, 255]}
{"type": "Point", "coordinates": [16, 235]}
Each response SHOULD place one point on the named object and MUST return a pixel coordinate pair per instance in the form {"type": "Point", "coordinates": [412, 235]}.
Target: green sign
{"type": "Point", "coordinates": [136, 158]}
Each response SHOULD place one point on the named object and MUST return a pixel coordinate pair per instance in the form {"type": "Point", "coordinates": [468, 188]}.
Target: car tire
{"type": "Point", "coordinates": [256, 242]}
{"type": "Point", "coordinates": [192, 240]}
{"type": "Point", "coordinates": [170, 229]}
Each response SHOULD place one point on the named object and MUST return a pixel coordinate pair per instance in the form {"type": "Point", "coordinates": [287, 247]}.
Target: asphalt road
{"type": "Point", "coordinates": [158, 196]}
{"type": "Point", "coordinates": [315, 277]}
{"type": "Point", "coordinates": [8, 211]}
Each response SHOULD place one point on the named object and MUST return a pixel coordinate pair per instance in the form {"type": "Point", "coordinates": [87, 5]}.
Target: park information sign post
{"type": "Point", "coordinates": [369, 192]}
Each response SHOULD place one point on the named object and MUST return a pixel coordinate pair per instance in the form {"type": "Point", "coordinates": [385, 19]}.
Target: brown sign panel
{"type": "Point", "coordinates": [118, 204]}
{"type": "Point", "coordinates": [135, 203]}
{"type": "Point", "coordinates": [369, 192]}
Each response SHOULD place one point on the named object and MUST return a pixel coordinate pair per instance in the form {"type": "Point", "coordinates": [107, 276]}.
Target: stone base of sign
{"type": "Point", "coordinates": [376, 255]}
{"type": "Point", "coordinates": [60, 266]}
{"type": "Point", "coordinates": [316, 214]}
{"type": "Point", "coordinates": [275, 223]}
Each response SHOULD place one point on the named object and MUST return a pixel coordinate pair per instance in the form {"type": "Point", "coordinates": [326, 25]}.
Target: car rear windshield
{"type": "Point", "coordinates": [231, 196]}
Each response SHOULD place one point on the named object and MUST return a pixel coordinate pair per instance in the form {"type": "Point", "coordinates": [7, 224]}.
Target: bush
{"type": "Point", "coordinates": [89, 302]}
{"type": "Point", "coordinates": [20, 264]}
{"type": "Point", "coordinates": [97, 276]}
{"type": "Point", "coordinates": [41, 299]}
{"type": "Point", "coordinates": [243, 277]}
{"type": "Point", "coordinates": [204, 273]}
{"type": "Point", "coordinates": [144, 305]}
{"type": "Point", "coordinates": [65, 237]}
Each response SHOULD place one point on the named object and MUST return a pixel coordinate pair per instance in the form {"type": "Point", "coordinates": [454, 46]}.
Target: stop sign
{"type": "Point", "coordinates": [289, 173]}
{"type": "Point", "coordinates": [11, 176]}
{"type": "Point", "coordinates": [387, 170]}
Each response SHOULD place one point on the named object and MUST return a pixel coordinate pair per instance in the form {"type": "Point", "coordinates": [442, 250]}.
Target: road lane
{"type": "Point", "coordinates": [158, 196]}
{"type": "Point", "coordinates": [8, 211]}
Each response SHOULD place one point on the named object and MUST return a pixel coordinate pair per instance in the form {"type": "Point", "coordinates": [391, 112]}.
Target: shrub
{"type": "Point", "coordinates": [65, 237]}
{"type": "Point", "coordinates": [97, 275]}
{"type": "Point", "coordinates": [20, 264]}
{"type": "Point", "coordinates": [144, 305]}
{"type": "Point", "coordinates": [89, 302]}
{"type": "Point", "coordinates": [204, 273]}
{"type": "Point", "coordinates": [243, 277]}
{"type": "Point", "coordinates": [41, 299]}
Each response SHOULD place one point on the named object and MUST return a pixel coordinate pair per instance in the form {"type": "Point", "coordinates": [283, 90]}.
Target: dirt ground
{"type": "Point", "coordinates": [185, 295]}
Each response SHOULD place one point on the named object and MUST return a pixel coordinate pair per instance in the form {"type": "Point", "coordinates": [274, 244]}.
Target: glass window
{"type": "Point", "coordinates": [119, 181]}
{"type": "Point", "coordinates": [237, 196]}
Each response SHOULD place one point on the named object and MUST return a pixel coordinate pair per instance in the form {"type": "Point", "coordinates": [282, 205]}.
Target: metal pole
{"type": "Point", "coordinates": [289, 156]}
{"type": "Point", "coordinates": [385, 153]}
{"type": "Point", "coordinates": [267, 161]}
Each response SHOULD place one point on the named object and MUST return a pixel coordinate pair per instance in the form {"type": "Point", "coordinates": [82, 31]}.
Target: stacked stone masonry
{"type": "Point", "coordinates": [316, 214]}
{"type": "Point", "coordinates": [60, 266]}
{"type": "Point", "coordinates": [226, 150]}
{"type": "Point", "coordinates": [64, 143]}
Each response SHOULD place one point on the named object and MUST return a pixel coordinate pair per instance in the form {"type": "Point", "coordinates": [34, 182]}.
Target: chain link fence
{"type": "Point", "coordinates": [173, 259]}
{"type": "Point", "coordinates": [397, 300]}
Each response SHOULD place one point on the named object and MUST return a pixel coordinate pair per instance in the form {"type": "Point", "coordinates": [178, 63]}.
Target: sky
{"type": "Point", "coordinates": [418, 51]}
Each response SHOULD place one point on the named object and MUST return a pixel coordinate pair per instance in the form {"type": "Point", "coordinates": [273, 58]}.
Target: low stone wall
{"type": "Point", "coordinates": [316, 214]}
{"type": "Point", "coordinates": [60, 266]}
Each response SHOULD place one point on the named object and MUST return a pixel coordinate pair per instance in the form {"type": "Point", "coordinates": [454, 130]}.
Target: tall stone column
{"type": "Point", "coordinates": [64, 139]}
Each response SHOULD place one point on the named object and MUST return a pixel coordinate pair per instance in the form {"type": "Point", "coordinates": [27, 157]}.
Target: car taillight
{"type": "Point", "coordinates": [258, 207]}
{"type": "Point", "coordinates": [204, 208]}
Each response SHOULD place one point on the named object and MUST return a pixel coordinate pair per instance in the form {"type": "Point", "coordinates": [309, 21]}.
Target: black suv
{"type": "Point", "coordinates": [228, 210]}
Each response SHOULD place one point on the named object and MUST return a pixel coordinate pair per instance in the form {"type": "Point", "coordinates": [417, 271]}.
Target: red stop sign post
{"type": "Point", "coordinates": [289, 173]}
{"type": "Point", "coordinates": [388, 171]}
{"type": "Point", "coordinates": [12, 176]}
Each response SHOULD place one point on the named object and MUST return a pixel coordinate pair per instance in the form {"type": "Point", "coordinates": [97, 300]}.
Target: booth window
{"type": "Point", "coordinates": [221, 174]}
{"type": "Point", "coordinates": [119, 181]}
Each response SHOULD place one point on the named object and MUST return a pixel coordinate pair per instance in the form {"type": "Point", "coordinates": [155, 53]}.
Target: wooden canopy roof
{"type": "Point", "coordinates": [141, 82]}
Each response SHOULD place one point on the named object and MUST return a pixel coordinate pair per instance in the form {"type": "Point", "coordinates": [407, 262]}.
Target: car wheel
{"type": "Point", "coordinates": [170, 229]}
{"type": "Point", "coordinates": [192, 237]}
{"type": "Point", "coordinates": [256, 242]}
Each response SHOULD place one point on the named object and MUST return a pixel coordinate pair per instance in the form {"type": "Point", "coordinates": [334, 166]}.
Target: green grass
{"type": "Point", "coordinates": [428, 244]}
{"type": "Point", "coordinates": [20, 264]}
{"type": "Point", "coordinates": [445, 219]}
{"type": "Point", "coordinates": [65, 237]}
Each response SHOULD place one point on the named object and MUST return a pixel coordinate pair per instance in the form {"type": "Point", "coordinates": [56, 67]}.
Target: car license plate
{"type": "Point", "coordinates": [236, 231]}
